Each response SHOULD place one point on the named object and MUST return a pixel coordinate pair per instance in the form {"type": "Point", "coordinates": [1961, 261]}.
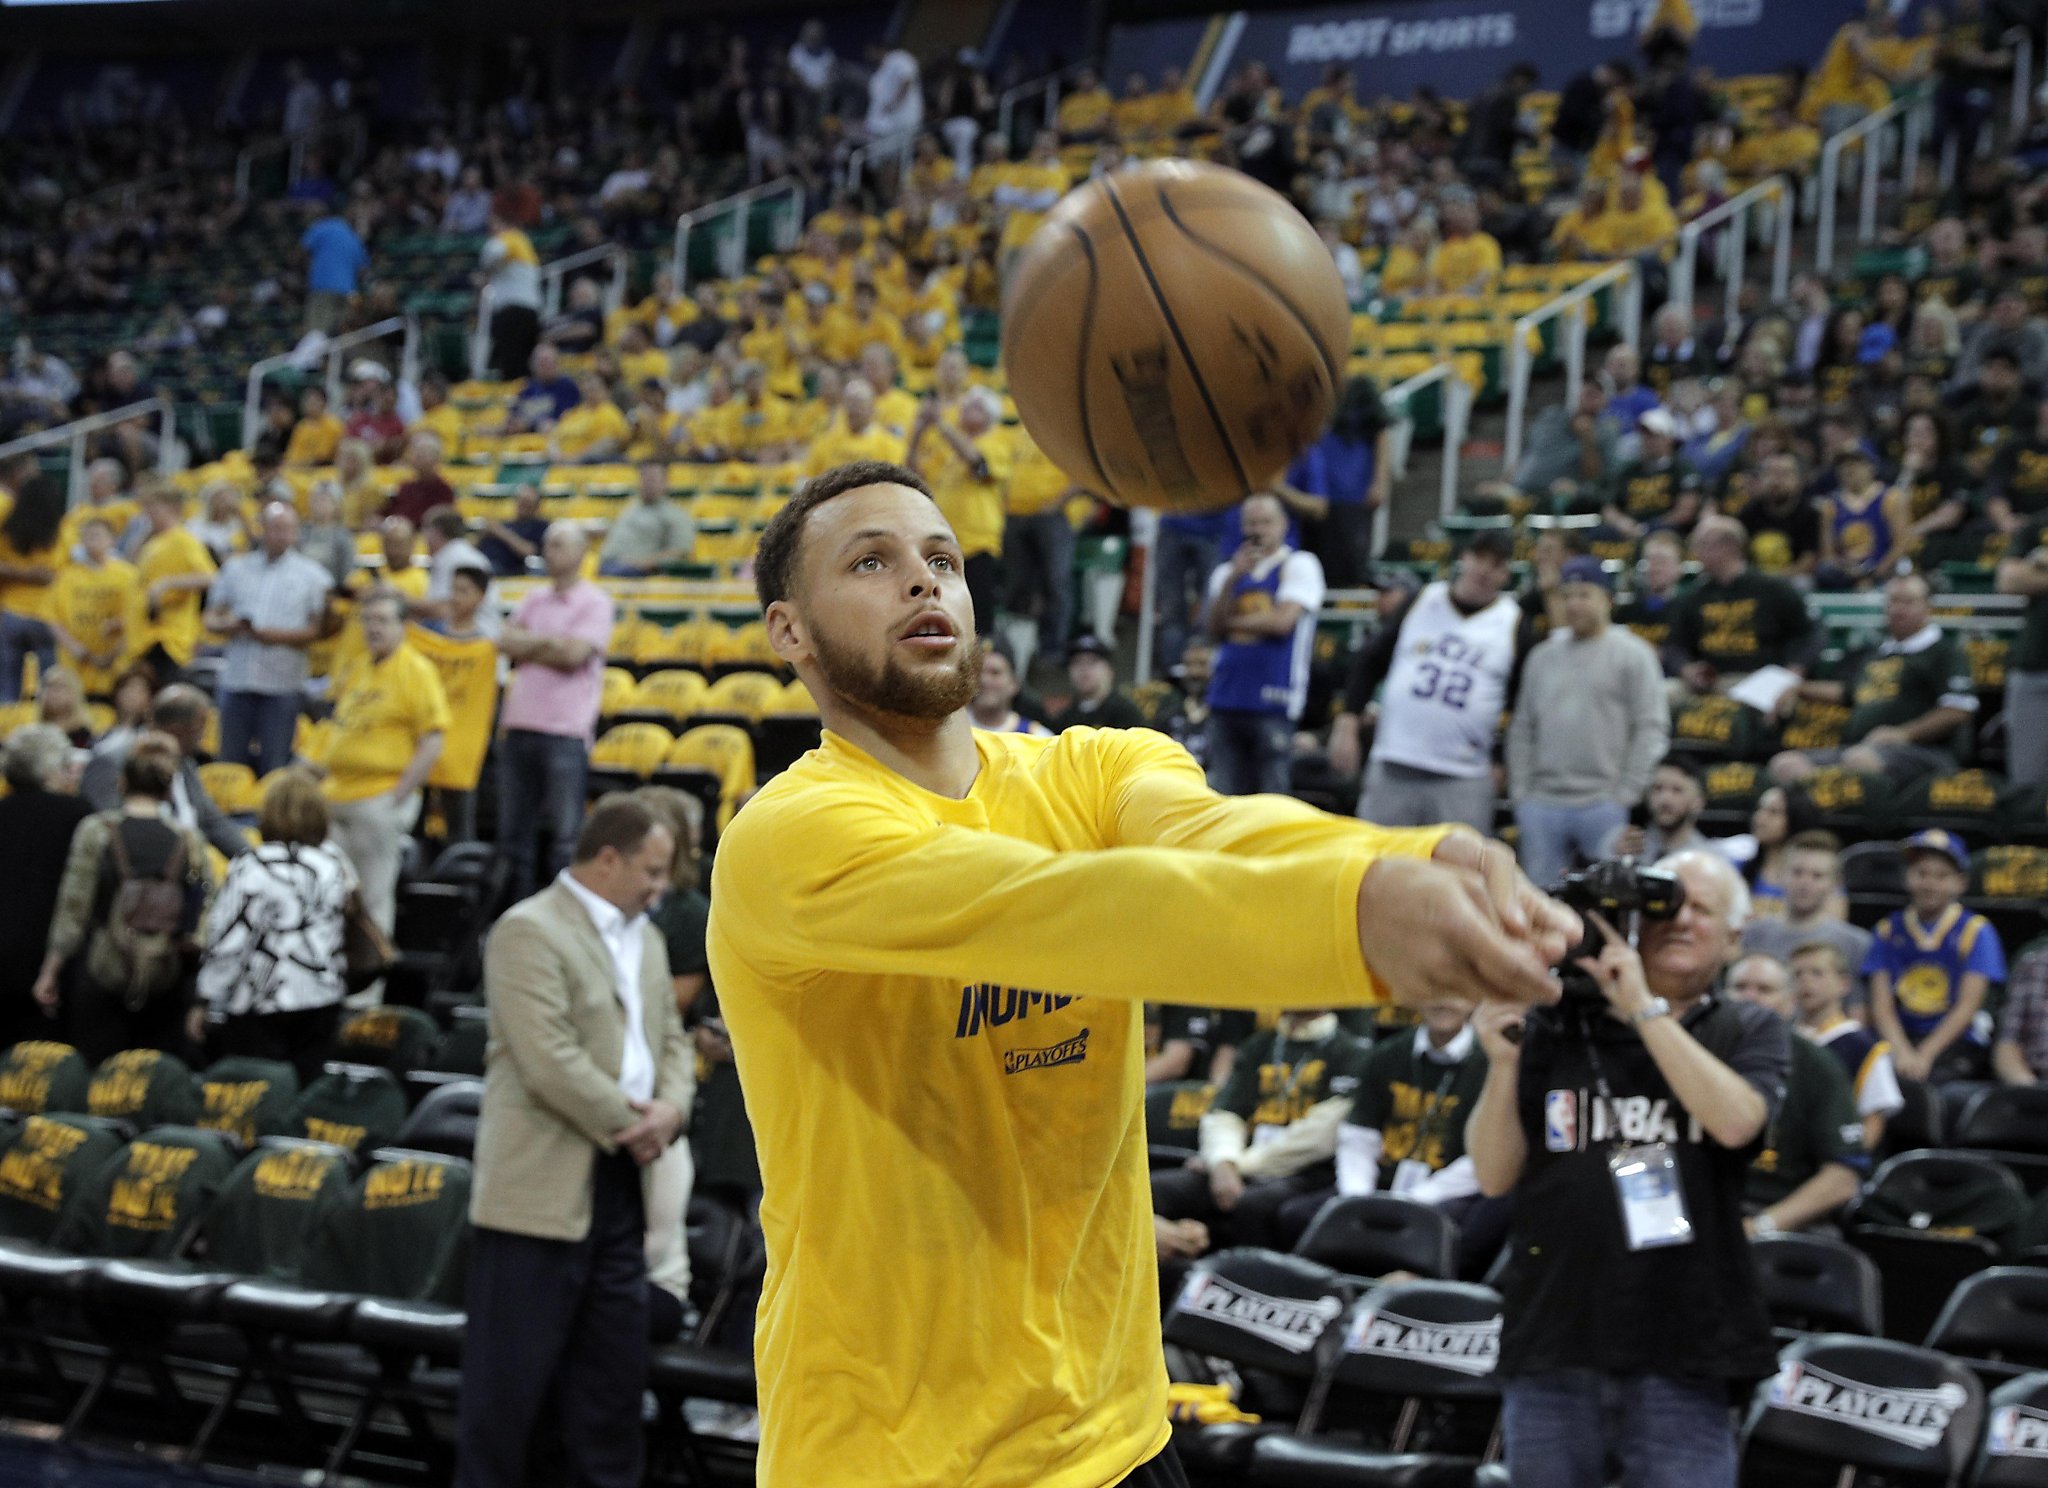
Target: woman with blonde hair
{"type": "Point", "coordinates": [60, 702]}
{"type": "Point", "coordinates": [274, 973]}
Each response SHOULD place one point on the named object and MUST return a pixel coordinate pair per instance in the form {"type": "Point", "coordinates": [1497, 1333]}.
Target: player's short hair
{"type": "Point", "coordinates": [1822, 950]}
{"type": "Point", "coordinates": [775, 559]}
{"type": "Point", "coordinates": [618, 822]}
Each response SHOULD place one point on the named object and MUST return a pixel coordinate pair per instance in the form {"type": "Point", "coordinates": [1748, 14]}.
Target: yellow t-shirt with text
{"type": "Point", "coordinates": [382, 709]}
{"type": "Point", "coordinates": [587, 425]}
{"type": "Point", "coordinates": [314, 441]}
{"type": "Point", "coordinates": [175, 554]}
{"type": "Point", "coordinates": [861, 926]}
{"type": "Point", "coordinates": [468, 669]}
{"type": "Point", "coordinates": [96, 607]}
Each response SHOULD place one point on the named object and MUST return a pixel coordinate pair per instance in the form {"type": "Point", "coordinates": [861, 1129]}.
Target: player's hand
{"type": "Point", "coordinates": [1430, 931]}
{"type": "Point", "coordinates": [1524, 911]}
{"type": "Point", "coordinates": [1226, 1186]}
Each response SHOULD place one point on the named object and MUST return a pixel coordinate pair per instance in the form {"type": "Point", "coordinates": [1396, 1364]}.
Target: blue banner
{"type": "Point", "coordinates": [1460, 47]}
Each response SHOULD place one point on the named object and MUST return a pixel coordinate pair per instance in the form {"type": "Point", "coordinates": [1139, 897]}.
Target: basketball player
{"type": "Point", "coordinates": [932, 946]}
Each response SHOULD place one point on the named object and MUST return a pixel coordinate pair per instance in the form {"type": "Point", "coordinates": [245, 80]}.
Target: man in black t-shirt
{"type": "Point", "coordinates": [1783, 525]}
{"type": "Point", "coordinates": [1625, 1123]}
{"type": "Point", "coordinates": [1735, 619]}
{"type": "Point", "coordinates": [1813, 1158]}
{"type": "Point", "coordinates": [1907, 695]}
{"type": "Point", "coordinates": [1271, 1134]}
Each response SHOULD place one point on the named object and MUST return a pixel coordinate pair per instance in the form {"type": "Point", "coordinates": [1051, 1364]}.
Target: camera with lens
{"type": "Point", "coordinates": [1624, 895]}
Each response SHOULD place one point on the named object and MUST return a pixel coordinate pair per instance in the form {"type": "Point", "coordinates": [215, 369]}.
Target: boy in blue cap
{"type": "Point", "coordinates": [1932, 965]}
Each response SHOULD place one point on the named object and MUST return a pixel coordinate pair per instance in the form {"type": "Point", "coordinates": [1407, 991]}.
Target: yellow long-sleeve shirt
{"type": "Point", "coordinates": [872, 944]}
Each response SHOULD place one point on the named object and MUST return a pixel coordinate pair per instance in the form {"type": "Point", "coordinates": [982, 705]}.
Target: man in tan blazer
{"type": "Point", "coordinates": [588, 1076]}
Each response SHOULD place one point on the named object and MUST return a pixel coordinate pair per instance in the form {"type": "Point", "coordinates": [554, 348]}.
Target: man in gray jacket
{"type": "Point", "coordinates": [1590, 724]}
{"type": "Point", "coordinates": [180, 710]}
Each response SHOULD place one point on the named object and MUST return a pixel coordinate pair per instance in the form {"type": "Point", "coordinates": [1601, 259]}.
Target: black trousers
{"type": "Point", "coordinates": [303, 1038]}
{"type": "Point", "coordinates": [1162, 1471]}
{"type": "Point", "coordinates": [555, 1359]}
{"type": "Point", "coordinates": [100, 1022]}
{"type": "Point", "coordinates": [515, 331]}
{"type": "Point", "coordinates": [984, 577]}
{"type": "Point", "coordinates": [1262, 1216]}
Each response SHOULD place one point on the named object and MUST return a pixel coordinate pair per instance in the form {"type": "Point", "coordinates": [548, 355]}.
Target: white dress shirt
{"type": "Point", "coordinates": [625, 945]}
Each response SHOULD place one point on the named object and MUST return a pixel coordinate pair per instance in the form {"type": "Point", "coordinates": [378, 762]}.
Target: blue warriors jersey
{"type": "Point", "coordinates": [1927, 964]}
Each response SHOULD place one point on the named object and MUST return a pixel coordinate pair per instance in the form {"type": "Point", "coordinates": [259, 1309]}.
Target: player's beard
{"type": "Point", "coordinates": [890, 687]}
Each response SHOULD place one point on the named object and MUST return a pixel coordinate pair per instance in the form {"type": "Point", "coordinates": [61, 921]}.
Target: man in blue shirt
{"type": "Point", "coordinates": [1262, 608]}
{"type": "Point", "coordinates": [335, 263]}
{"type": "Point", "coordinates": [1932, 965]}
{"type": "Point", "coordinates": [545, 395]}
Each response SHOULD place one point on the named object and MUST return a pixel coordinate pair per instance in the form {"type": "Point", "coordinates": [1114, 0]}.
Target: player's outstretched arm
{"type": "Point", "coordinates": [855, 888]}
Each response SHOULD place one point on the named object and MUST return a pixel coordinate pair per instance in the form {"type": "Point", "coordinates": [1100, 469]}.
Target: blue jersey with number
{"type": "Point", "coordinates": [1927, 964]}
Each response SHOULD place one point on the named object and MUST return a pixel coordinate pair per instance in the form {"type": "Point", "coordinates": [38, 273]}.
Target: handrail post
{"type": "Point", "coordinates": [2022, 76]}
{"type": "Point", "coordinates": [1738, 248]}
{"type": "Point", "coordinates": [1457, 408]}
{"type": "Point", "coordinates": [1518, 394]}
{"type": "Point", "coordinates": [678, 265]}
{"type": "Point", "coordinates": [1781, 260]}
{"type": "Point", "coordinates": [480, 338]}
{"type": "Point", "coordinates": [615, 297]}
{"type": "Point", "coordinates": [1574, 353]}
{"type": "Point", "coordinates": [1830, 184]}
{"type": "Point", "coordinates": [1632, 305]}
{"type": "Point", "coordinates": [1685, 267]}
{"type": "Point", "coordinates": [252, 402]}
{"type": "Point", "coordinates": [1866, 209]}
{"type": "Point", "coordinates": [1909, 150]}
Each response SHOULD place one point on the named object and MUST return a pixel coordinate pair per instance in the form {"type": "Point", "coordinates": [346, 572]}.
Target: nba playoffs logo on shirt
{"type": "Point", "coordinates": [1072, 1051]}
{"type": "Point", "coordinates": [1912, 1418]}
{"type": "Point", "coordinates": [2017, 1431]}
{"type": "Point", "coordinates": [1290, 1323]}
{"type": "Point", "coordinates": [1468, 1348]}
{"type": "Point", "coordinates": [1561, 1120]}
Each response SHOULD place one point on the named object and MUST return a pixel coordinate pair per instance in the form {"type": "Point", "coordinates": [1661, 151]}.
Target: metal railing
{"type": "Point", "coordinates": [555, 274]}
{"type": "Point", "coordinates": [1049, 85]}
{"type": "Point", "coordinates": [1627, 277]}
{"type": "Point", "coordinates": [895, 147]}
{"type": "Point", "coordinates": [294, 148]}
{"type": "Point", "coordinates": [733, 251]}
{"type": "Point", "coordinates": [124, 194]}
{"type": "Point", "coordinates": [1908, 111]}
{"type": "Point", "coordinates": [332, 353]}
{"type": "Point", "coordinates": [1457, 406]}
{"type": "Point", "coordinates": [1734, 243]}
{"type": "Point", "coordinates": [78, 431]}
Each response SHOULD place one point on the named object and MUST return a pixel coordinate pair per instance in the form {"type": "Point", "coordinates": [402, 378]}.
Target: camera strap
{"type": "Point", "coordinates": [1645, 1174]}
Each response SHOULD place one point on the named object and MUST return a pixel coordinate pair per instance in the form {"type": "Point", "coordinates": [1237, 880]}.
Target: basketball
{"type": "Point", "coordinates": [1174, 335]}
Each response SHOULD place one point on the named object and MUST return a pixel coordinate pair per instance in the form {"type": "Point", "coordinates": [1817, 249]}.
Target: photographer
{"type": "Point", "coordinates": [1626, 1119]}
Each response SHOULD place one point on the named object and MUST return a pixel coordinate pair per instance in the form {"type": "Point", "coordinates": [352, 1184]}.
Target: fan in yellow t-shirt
{"type": "Point", "coordinates": [175, 569]}
{"type": "Point", "coordinates": [317, 433]}
{"type": "Point", "coordinates": [92, 604]}
{"type": "Point", "coordinates": [1467, 261]}
{"type": "Point", "coordinates": [1084, 114]}
{"type": "Point", "coordinates": [1634, 224]}
{"type": "Point", "coordinates": [390, 723]}
{"type": "Point", "coordinates": [595, 431]}
{"type": "Point", "coordinates": [29, 559]}
{"type": "Point", "coordinates": [848, 330]}
{"type": "Point", "coordinates": [966, 461]}
{"type": "Point", "coordinates": [1031, 190]}
{"type": "Point", "coordinates": [932, 945]}
{"type": "Point", "coordinates": [856, 437]}
{"type": "Point", "coordinates": [895, 409]}
{"type": "Point", "coordinates": [438, 417]}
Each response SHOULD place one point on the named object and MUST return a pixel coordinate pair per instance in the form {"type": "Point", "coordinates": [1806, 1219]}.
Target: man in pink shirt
{"type": "Point", "coordinates": [556, 642]}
